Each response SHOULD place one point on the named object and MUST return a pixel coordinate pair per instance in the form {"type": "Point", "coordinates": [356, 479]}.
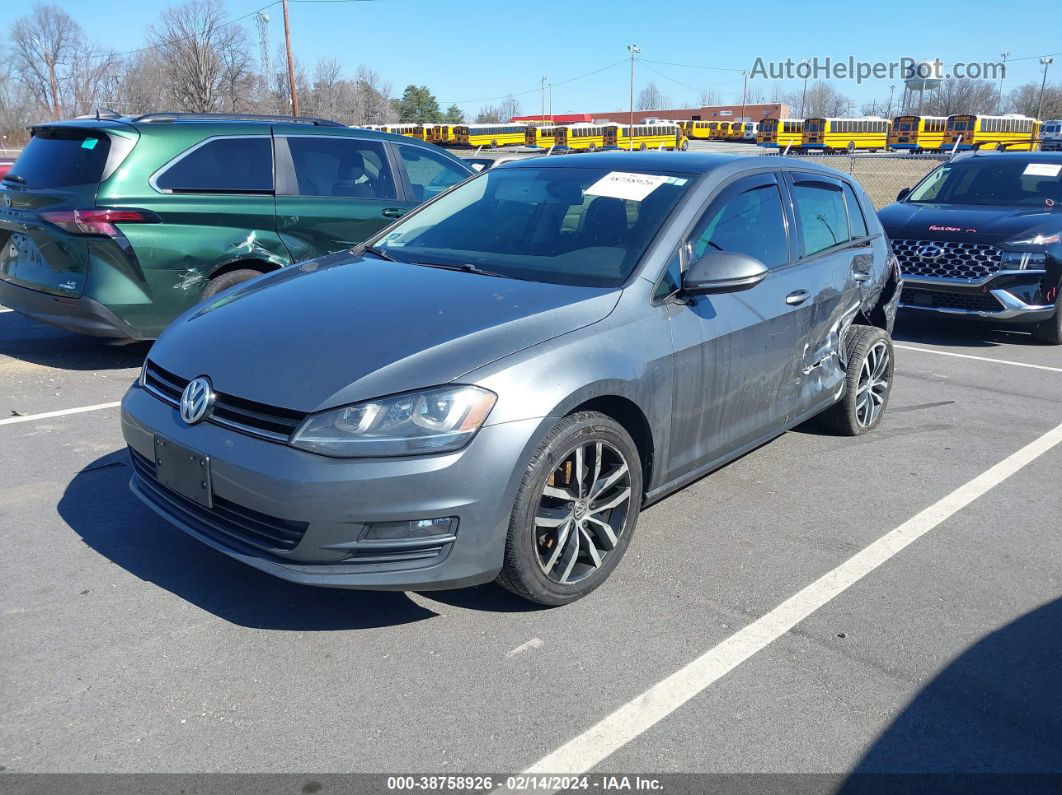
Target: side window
{"type": "Point", "coordinates": [671, 280]}
{"type": "Point", "coordinates": [747, 218]}
{"type": "Point", "coordinates": [429, 173]}
{"type": "Point", "coordinates": [223, 165]}
{"type": "Point", "coordinates": [821, 215]}
{"type": "Point", "coordinates": [856, 222]}
{"type": "Point", "coordinates": [347, 167]}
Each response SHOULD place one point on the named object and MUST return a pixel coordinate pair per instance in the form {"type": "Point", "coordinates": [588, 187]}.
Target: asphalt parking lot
{"type": "Point", "coordinates": [129, 647]}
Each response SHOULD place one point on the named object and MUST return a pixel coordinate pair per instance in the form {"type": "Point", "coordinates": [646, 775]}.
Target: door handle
{"type": "Point", "coordinates": [797, 297]}
{"type": "Point", "coordinates": [393, 212]}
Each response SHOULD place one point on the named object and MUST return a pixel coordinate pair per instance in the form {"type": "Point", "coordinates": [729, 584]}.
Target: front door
{"type": "Point", "coordinates": [735, 353]}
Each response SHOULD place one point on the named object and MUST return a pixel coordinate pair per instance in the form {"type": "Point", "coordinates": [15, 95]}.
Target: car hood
{"type": "Point", "coordinates": [975, 223]}
{"type": "Point", "coordinates": [338, 330]}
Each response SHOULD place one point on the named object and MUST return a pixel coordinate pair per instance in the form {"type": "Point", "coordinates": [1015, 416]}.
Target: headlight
{"type": "Point", "coordinates": [1023, 260]}
{"type": "Point", "coordinates": [434, 420]}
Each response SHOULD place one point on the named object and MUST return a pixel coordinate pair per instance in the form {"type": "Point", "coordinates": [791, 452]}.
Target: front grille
{"type": "Point", "coordinates": [247, 416]}
{"type": "Point", "coordinates": [960, 260]}
{"type": "Point", "coordinates": [226, 518]}
{"type": "Point", "coordinates": [935, 299]}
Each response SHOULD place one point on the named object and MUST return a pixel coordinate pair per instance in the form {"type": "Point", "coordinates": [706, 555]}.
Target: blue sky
{"type": "Point", "coordinates": [475, 51]}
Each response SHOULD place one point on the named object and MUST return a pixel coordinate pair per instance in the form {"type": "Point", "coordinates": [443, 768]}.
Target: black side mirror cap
{"type": "Point", "coordinates": [902, 194]}
{"type": "Point", "coordinates": [723, 272]}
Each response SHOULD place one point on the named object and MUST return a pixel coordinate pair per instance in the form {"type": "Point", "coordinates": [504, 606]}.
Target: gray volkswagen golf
{"type": "Point", "coordinates": [495, 385]}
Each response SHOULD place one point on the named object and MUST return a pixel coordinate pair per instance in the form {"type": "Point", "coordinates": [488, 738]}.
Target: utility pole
{"type": "Point", "coordinates": [630, 131]}
{"type": "Point", "coordinates": [550, 106]}
{"type": "Point", "coordinates": [1002, 75]}
{"type": "Point", "coordinates": [1045, 62]}
{"type": "Point", "coordinates": [291, 62]}
{"type": "Point", "coordinates": [744, 94]}
{"type": "Point", "coordinates": [804, 93]}
{"type": "Point", "coordinates": [543, 113]}
{"type": "Point", "coordinates": [892, 90]}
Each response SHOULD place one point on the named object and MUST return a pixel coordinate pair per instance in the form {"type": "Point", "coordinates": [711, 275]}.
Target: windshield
{"type": "Point", "coordinates": [61, 158]}
{"type": "Point", "coordinates": [580, 226]}
{"type": "Point", "coordinates": [992, 180]}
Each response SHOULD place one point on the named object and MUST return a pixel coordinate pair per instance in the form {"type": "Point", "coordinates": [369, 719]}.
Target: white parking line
{"type": "Point", "coordinates": [583, 752]}
{"type": "Point", "coordinates": [60, 413]}
{"type": "Point", "coordinates": [978, 358]}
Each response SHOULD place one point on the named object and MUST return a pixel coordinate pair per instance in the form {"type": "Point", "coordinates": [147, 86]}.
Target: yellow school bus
{"type": "Point", "coordinates": [1013, 132]}
{"type": "Point", "coordinates": [917, 133]}
{"type": "Point", "coordinates": [441, 134]}
{"type": "Point", "coordinates": [646, 136]}
{"type": "Point", "coordinates": [409, 130]}
{"type": "Point", "coordinates": [492, 135]}
{"type": "Point", "coordinates": [780, 133]}
{"type": "Point", "coordinates": [830, 135]}
{"type": "Point", "coordinates": [541, 136]}
{"type": "Point", "coordinates": [582, 137]}
{"type": "Point", "coordinates": [699, 130]}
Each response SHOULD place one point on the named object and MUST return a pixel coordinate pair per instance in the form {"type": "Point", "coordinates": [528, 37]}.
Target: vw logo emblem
{"type": "Point", "coordinates": [196, 400]}
{"type": "Point", "coordinates": [930, 251]}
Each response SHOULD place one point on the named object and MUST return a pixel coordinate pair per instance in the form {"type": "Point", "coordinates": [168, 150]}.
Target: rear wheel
{"type": "Point", "coordinates": [575, 512]}
{"type": "Point", "coordinates": [1049, 331]}
{"type": "Point", "coordinates": [868, 383]}
{"type": "Point", "coordinates": [641, 148]}
{"type": "Point", "coordinates": [227, 280]}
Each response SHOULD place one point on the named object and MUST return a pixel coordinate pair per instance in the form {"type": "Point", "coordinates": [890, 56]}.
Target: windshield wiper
{"type": "Point", "coordinates": [468, 267]}
{"type": "Point", "coordinates": [376, 252]}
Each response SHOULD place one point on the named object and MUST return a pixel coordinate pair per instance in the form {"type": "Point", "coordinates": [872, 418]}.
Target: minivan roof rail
{"type": "Point", "coordinates": [152, 118]}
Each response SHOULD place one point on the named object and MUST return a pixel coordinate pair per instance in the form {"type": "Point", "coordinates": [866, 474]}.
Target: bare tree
{"type": "Point", "coordinates": [372, 98]}
{"type": "Point", "coordinates": [141, 84]}
{"type": "Point", "coordinates": [823, 100]}
{"type": "Point", "coordinates": [510, 107]}
{"type": "Point", "coordinates": [489, 114]}
{"type": "Point", "coordinates": [650, 98]}
{"type": "Point", "coordinates": [1026, 100]}
{"type": "Point", "coordinates": [64, 71]}
{"type": "Point", "coordinates": [956, 96]}
{"type": "Point", "coordinates": [206, 60]}
{"type": "Point", "coordinates": [710, 96]}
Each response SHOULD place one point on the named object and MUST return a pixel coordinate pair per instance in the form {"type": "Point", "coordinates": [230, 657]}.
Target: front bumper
{"type": "Point", "coordinates": [81, 314]}
{"type": "Point", "coordinates": [1015, 297]}
{"type": "Point", "coordinates": [332, 501]}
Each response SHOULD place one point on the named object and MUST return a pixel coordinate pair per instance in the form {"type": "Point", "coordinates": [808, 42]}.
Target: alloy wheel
{"type": "Point", "coordinates": [873, 385]}
{"type": "Point", "coordinates": [582, 513]}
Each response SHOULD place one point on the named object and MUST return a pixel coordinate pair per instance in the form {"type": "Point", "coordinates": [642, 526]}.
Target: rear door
{"type": "Point", "coordinates": [334, 192]}
{"type": "Point", "coordinates": [60, 169]}
{"type": "Point", "coordinates": [837, 262]}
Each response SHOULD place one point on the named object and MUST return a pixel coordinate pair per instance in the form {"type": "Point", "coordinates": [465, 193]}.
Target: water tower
{"type": "Point", "coordinates": [925, 76]}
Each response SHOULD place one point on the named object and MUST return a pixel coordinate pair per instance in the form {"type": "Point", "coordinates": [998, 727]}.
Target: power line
{"type": "Point", "coordinates": [534, 90]}
{"type": "Point", "coordinates": [196, 36]}
{"type": "Point", "coordinates": [691, 66]}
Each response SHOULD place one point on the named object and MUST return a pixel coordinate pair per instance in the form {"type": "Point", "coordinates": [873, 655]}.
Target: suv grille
{"type": "Point", "coordinates": [959, 260]}
{"type": "Point", "coordinates": [225, 518]}
{"type": "Point", "coordinates": [256, 419]}
{"type": "Point", "coordinates": [972, 302]}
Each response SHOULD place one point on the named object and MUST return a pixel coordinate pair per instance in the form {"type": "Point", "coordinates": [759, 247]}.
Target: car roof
{"type": "Point", "coordinates": [682, 162]}
{"type": "Point", "coordinates": [1013, 155]}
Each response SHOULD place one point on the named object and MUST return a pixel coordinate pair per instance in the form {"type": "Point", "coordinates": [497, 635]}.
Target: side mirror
{"type": "Point", "coordinates": [723, 272]}
{"type": "Point", "coordinates": [902, 194]}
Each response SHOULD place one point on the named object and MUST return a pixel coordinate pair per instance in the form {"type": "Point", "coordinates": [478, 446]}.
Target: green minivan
{"type": "Point", "coordinates": [113, 226]}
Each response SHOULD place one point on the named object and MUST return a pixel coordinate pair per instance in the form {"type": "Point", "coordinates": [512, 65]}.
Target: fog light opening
{"type": "Point", "coordinates": [415, 528]}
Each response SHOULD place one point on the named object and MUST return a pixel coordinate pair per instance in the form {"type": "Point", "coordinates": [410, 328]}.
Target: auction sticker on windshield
{"type": "Point", "coordinates": [1038, 170]}
{"type": "Point", "coordinates": [629, 186]}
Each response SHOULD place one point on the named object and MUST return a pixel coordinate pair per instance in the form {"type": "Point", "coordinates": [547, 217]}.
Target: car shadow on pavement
{"type": "Point", "coordinates": [98, 505]}
{"type": "Point", "coordinates": [960, 333]}
{"type": "Point", "coordinates": [995, 709]}
{"type": "Point", "coordinates": [36, 343]}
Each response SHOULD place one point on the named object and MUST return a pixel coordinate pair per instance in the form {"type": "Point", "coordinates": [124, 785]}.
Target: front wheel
{"type": "Point", "coordinates": [868, 383]}
{"type": "Point", "coordinates": [575, 512]}
{"type": "Point", "coordinates": [1049, 331]}
{"type": "Point", "coordinates": [227, 280]}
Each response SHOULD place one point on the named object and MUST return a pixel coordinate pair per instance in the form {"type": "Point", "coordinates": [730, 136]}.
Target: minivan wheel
{"type": "Point", "coordinates": [868, 383]}
{"type": "Point", "coordinates": [575, 511]}
{"type": "Point", "coordinates": [1049, 331]}
{"type": "Point", "coordinates": [227, 280]}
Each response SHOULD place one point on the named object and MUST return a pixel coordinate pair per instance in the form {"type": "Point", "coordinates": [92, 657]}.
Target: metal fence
{"type": "Point", "coordinates": [882, 175]}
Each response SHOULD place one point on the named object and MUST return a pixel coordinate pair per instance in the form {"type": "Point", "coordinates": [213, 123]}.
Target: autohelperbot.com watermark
{"type": "Point", "coordinates": [850, 68]}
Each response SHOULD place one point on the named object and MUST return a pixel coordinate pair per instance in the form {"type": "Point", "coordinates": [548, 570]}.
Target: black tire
{"type": "Point", "coordinates": [529, 548]}
{"type": "Point", "coordinates": [685, 146]}
{"type": "Point", "coordinates": [1049, 331]}
{"type": "Point", "coordinates": [641, 148]}
{"type": "Point", "coordinates": [227, 280]}
{"type": "Point", "coordinates": [592, 148]}
{"type": "Point", "coordinates": [849, 417]}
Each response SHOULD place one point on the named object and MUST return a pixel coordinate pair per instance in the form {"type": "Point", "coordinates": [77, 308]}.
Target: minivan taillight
{"type": "Point", "coordinates": [98, 221]}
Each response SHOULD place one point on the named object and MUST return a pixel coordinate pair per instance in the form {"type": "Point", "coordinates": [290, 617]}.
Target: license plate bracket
{"type": "Point", "coordinates": [183, 471]}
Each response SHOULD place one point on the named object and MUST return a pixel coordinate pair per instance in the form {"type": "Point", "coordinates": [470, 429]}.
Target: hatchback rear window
{"type": "Point", "coordinates": [61, 158]}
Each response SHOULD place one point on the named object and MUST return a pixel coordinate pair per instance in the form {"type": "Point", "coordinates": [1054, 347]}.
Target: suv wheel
{"type": "Point", "coordinates": [868, 383]}
{"type": "Point", "coordinates": [1049, 331]}
{"type": "Point", "coordinates": [575, 511]}
{"type": "Point", "coordinates": [227, 280]}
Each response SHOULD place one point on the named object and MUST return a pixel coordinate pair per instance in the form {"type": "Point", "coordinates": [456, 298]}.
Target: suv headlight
{"type": "Point", "coordinates": [434, 420]}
